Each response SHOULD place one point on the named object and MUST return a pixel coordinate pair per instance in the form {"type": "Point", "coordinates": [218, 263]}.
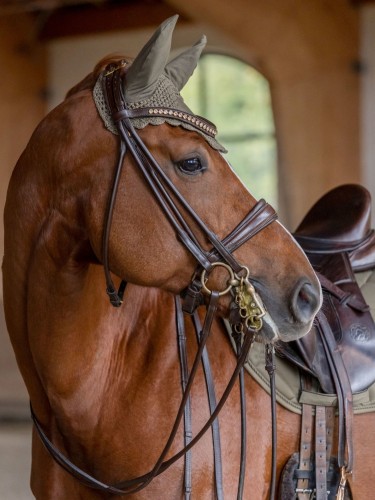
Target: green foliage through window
{"type": "Point", "coordinates": [236, 98]}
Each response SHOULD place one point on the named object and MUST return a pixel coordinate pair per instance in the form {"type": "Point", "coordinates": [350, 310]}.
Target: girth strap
{"type": "Point", "coordinates": [320, 453]}
{"type": "Point", "coordinates": [330, 424]}
{"type": "Point", "coordinates": [305, 465]}
{"type": "Point", "coordinates": [308, 484]}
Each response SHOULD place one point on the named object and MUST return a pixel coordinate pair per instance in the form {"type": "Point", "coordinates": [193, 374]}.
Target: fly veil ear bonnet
{"type": "Point", "coordinates": [151, 82]}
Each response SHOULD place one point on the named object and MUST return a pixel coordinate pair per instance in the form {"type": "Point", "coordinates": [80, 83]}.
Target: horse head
{"type": "Point", "coordinates": [171, 148]}
{"type": "Point", "coordinates": [142, 243]}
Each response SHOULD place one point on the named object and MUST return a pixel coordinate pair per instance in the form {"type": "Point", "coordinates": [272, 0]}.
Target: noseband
{"type": "Point", "coordinates": [247, 308]}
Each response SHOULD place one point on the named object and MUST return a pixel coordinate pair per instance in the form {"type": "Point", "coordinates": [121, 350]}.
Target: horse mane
{"type": "Point", "coordinates": [89, 81]}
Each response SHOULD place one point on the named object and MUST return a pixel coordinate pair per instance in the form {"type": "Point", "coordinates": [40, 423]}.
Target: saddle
{"type": "Point", "coordinates": [336, 236]}
{"type": "Point", "coordinates": [338, 355]}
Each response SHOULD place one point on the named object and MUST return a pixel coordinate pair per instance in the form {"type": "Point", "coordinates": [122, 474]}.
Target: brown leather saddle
{"type": "Point", "coordinates": [338, 355]}
{"type": "Point", "coordinates": [337, 237]}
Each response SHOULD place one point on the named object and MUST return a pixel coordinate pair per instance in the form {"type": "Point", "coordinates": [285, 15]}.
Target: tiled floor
{"type": "Point", "coordinates": [15, 458]}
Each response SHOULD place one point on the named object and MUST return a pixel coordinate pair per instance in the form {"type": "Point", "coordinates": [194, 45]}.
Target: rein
{"type": "Point", "coordinates": [136, 484]}
{"type": "Point", "coordinates": [247, 308]}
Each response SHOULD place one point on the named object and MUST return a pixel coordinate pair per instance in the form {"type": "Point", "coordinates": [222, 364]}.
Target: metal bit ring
{"type": "Point", "coordinates": [230, 282]}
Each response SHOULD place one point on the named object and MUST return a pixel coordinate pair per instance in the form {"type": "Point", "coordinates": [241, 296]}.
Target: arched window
{"type": "Point", "coordinates": [236, 98]}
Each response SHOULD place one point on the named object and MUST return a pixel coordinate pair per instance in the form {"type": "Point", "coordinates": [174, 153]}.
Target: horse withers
{"type": "Point", "coordinates": [104, 382]}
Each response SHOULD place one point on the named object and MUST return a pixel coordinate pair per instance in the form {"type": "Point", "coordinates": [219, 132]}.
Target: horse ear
{"type": "Point", "coordinates": [180, 69]}
{"type": "Point", "coordinates": [142, 75]}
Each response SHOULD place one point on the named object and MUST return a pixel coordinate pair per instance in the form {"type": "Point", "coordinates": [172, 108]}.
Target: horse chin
{"type": "Point", "coordinates": [293, 334]}
{"type": "Point", "coordinates": [270, 333]}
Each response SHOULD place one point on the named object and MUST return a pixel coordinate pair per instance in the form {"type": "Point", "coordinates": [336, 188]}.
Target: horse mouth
{"type": "Point", "coordinates": [271, 333]}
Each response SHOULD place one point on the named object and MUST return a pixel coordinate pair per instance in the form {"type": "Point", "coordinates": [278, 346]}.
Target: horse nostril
{"type": "Point", "coordinates": [305, 301]}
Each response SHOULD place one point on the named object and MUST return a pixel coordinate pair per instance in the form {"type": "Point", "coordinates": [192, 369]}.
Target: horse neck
{"type": "Point", "coordinates": [118, 345]}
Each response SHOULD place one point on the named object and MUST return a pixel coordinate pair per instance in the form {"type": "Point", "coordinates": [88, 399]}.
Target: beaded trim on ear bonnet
{"type": "Point", "coordinates": [151, 82]}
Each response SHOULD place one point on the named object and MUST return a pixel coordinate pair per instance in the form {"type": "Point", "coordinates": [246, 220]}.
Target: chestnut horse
{"type": "Point", "coordinates": [104, 382]}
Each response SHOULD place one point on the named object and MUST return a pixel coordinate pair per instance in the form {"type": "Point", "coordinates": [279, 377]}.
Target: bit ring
{"type": "Point", "coordinates": [231, 280]}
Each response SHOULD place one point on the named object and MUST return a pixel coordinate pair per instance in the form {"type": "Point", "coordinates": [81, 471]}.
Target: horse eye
{"type": "Point", "coordinates": [191, 166]}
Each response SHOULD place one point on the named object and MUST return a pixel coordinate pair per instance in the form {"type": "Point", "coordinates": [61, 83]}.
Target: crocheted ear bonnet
{"type": "Point", "coordinates": [151, 82]}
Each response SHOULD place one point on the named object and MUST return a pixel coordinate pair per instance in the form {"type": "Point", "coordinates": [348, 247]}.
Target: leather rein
{"type": "Point", "coordinates": [246, 320]}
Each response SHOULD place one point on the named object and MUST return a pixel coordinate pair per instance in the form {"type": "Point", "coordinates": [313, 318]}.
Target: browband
{"type": "Point", "coordinates": [194, 120]}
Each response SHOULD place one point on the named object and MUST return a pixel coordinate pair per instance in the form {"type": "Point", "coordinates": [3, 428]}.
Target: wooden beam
{"type": "Point", "coordinates": [8, 7]}
{"type": "Point", "coordinates": [91, 19]}
{"type": "Point", "coordinates": [361, 2]}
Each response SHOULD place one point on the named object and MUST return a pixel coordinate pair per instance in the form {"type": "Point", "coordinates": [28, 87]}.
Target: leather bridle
{"type": "Point", "coordinates": [245, 323]}
{"type": "Point", "coordinates": [166, 193]}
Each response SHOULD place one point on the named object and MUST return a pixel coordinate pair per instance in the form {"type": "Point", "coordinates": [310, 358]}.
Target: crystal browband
{"type": "Point", "coordinates": [196, 121]}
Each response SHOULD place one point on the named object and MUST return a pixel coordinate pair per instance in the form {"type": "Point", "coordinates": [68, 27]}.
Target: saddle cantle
{"type": "Point", "coordinates": [337, 237]}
